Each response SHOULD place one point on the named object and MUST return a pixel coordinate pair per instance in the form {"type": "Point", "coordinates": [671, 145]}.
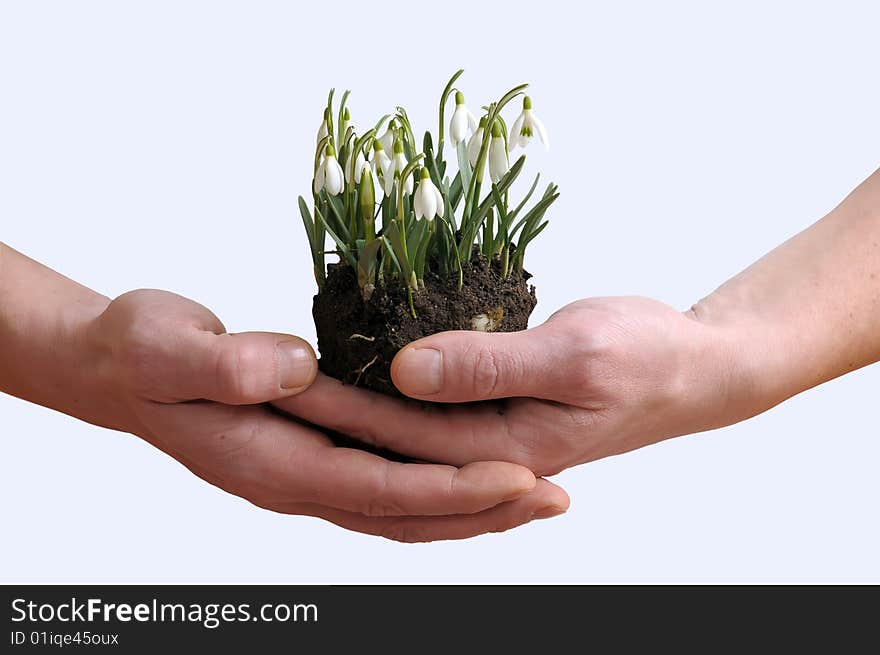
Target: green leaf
{"type": "Point", "coordinates": [389, 249]}
{"type": "Point", "coordinates": [456, 192]}
{"type": "Point", "coordinates": [381, 122]}
{"type": "Point", "coordinates": [534, 214]}
{"type": "Point", "coordinates": [397, 248]}
{"type": "Point", "coordinates": [489, 234]}
{"type": "Point", "coordinates": [522, 204]}
{"type": "Point", "coordinates": [343, 247]}
{"type": "Point", "coordinates": [417, 242]}
{"type": "Point", "coordinates": [455, 259]}
{"type": "Point", "coordinates": [503, 186]}
{"type": "Point", "coordinates": [308, 223]}
{"type": "Point", "coordinates": [367, 262]}
{"type": "Point", "coordinates": [338, 218]}
{"type": "Point", "coordinates": [502, 239]}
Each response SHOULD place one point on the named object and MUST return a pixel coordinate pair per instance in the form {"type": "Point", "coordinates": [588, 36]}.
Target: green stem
{"type": "Point", "coordinates": [443, 98]}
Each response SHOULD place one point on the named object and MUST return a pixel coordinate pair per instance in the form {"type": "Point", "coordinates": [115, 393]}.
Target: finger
{"type": "Point", "coordinates": [439, 433]}
{"type": "Point", "coordinates": [464, 366]}
{"type": "Point", "coordinates": [266, 458]}
{"type": "Point", "coordinates": [361, 482]}
{"type": "Point", "coordinates": [240, 369]}
{"type": "Point", "coordinates": [544, 501]}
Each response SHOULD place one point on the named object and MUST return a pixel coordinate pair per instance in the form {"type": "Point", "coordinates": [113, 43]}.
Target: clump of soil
{"type": "Point", "coordinates": [358, 338]}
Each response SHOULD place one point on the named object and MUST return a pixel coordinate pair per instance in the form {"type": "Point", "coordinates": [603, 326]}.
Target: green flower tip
{"type": "Point", "coordinates": [330, 151]}
{"type": "Point", "coordinates": [327, 114]}
{"type": "Point", "coordinates": [459, 98]}
{"type": "Point", "coordinates": [346, 115]}
{"type": "Point", "coordinates": [496, 130]}
{"type": "Point", "coordinates": [483, 120]}
{"type": "Point", "coordinates": [425, 174]}
{"type": "Point", "coordinates": [377, 145]}
{"type": "Point", "coordinates": [527, 102]}
{"type": "Point", "coordinates": [398, 145]}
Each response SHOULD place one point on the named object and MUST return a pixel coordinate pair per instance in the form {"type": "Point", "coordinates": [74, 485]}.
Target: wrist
{"type": "Point", "coordinates": [745, 352]}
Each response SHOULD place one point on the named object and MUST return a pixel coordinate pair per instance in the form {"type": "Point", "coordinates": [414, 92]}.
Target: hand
{"type": "Point", "coordinates": [168, 372]}
{"type": "Point", "coordinates": [600, 377]}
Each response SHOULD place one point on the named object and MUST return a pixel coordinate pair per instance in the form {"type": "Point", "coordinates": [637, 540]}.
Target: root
{"type": "Point", "coordinates": [361, 336]}
{"type": "Point", "coordinates": [364, 368]}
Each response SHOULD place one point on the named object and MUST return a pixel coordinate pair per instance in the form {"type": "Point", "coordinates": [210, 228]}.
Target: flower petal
{"type": "Point", "coordinates": [319, 178]}
{"type": "Point", "coordinates": [335, 180]}
{"type": "Point", "coordinates": [542, 132]}
{"type": "Point", "coordinates": [474, 145]}
{"type": "Point", "coordinates": [441, 204]}
{"type": "Point", "coordinates": [498, 163]}
{"type": "Point", "coordinates": [458, 124]}
{"type": "Point", "coordinates": [515, 130]}
{"type": "Point", "coordinates": [389, 180]}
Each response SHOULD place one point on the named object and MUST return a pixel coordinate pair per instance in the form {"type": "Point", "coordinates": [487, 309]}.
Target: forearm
{"type": "Point", "coordinates": [44, 356]}
{"type": "Point", "coordinates": [807, 312]}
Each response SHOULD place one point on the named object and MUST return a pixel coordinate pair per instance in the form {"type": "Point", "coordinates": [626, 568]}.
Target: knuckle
{"type": "Point", "coordinates": [594, 356]}
{"type": "Point", "coordinates": [485, 372]}
{"type": "Point", "coordinates": [379, 502]}
{"type": "Point", "coordinates": [238, 369]}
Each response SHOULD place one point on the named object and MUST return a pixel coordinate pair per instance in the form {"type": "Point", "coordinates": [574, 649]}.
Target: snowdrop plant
{"type": "Point", "coordinates": [395, 212]}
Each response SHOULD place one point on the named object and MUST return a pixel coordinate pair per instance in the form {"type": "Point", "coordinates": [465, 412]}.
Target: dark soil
{"type": "Point", "coordinates": [357, 339]}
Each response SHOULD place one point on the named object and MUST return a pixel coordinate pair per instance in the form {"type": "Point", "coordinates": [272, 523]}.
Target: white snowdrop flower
{"type": "Point", "coordinates": [526, 125]}
{"type": "Point", "coordinates": [498, 161]}
{"type": "Point", "coordinates": [324, 130]}
{"type": "Point", "coordinates": [475, 143]}
{"type": "Point", "coordinates": [380, 158]}
{"type": "Point", "coordinates": [387, 139]}
{"type": "Point", "coordinates": [329, 174]}
{"type": "Point", "coordinates": [461, 120]}
{"type": "Point", "coordinates": [359, 162]}
{"type": "Point", "coordinates": [395, 167]}
{"type": "Point", "coordinates": [366, 170]}
{"type": "Point", "coordinates": [428, 201]}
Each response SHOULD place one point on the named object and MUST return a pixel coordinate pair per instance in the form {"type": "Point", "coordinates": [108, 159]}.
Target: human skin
{"type": "Point", "coordinates": [607, 375]}
{"type": "Point", "coordinates": [163, 368]}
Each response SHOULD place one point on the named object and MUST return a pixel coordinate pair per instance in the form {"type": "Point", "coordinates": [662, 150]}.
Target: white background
{"type": "Point", "coordinates": [163, 144]}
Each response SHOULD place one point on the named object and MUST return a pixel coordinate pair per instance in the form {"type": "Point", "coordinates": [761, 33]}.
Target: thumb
{"type": "Point", "coordinates": [243, 369]}
{"type": "Point", "coordinates": [465, 366]}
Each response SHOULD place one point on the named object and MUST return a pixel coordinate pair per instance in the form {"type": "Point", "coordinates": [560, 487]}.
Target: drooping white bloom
{"type": "Point", "coordinates": [395, 167]}
{"type": "Point", "coordinates": [323, 130]}
{"type": "Point", "coordinates": [475, 143]}
{"type": "Point", "coordinates": [387, 139]}
{"type": "Point", "coordinates": [461, 120]}
{"type": "Point", "coordinates": [329, 174]}
{"type": "Point", "coordinates": [359, 162]}
{"type": "Point", "coordinates": [498, 161]}
{"type": "Point", "coordinates": [368, 171]}
{"type": "Point", "coordinates": [526, 125]}
{"type": "Point", "coordinates": [428, 201]}
{"type": "Point", "coordinates": [380, 158]}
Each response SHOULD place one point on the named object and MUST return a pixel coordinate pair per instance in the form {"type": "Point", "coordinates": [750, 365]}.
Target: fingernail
{"type": "Point", "coordinates": [418, 371]}
{"type": "Point", "coordinates": [296, 364]}
{"type": "Point", "coordinates": [548, 512]}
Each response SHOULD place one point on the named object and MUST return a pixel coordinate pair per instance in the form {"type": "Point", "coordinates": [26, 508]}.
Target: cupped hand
{"type": "Point", "coordinates": [167, 371]}
{"type": "Point", "coordinates": [602, 376]}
